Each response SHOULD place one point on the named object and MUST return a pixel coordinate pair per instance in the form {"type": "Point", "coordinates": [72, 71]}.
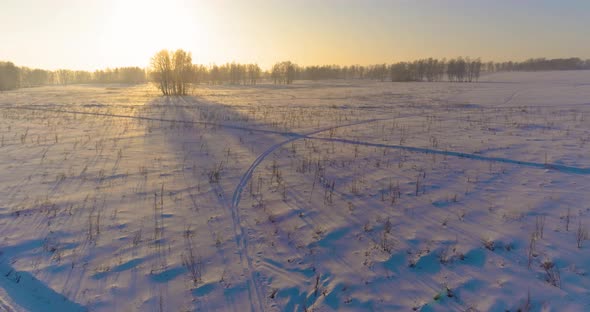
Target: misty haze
{"type": "Point", "coordinates": [262, 155]}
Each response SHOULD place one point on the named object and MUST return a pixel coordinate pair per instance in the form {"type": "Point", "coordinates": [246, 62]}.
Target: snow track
{"type": "Point", "coordinates": [537, 165]}
{"type": "Point", "coordinates": [241, 236]}
{"type": "Point", "coordinates": [151, 119]}
{"type": "Point", "coordinates": [242, 239]}
{"type": "Point", "coordinates": [376, 244]}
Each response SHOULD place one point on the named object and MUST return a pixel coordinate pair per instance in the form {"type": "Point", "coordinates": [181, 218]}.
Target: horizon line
{"type": "Point", "coordinates": [209, 65]}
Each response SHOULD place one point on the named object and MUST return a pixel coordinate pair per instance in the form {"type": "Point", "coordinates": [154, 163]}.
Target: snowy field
{"type": "Point", "coordinates": [318, 196]}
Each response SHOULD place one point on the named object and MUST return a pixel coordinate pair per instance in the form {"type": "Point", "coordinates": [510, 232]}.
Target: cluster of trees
{"type": "Point", "coordinates": [456, 70]}
{"type": "Point", "coordinates": [13, 77]}
{"type": "Point", "coordinates": [9, 76]}
{"type": "Point", "coordinates": [420, 70]}
{"type": "Point", "coordinates": [232, 73]}
{"type": "Point", "coordinates": [34, 77]}
{"type": "Point", "coordinates": [463, 70]}
{"type": "Point", "coordinates": [430, 69]}
{"type": "Point", "coordinates": [539, 64]}
{"type": "Point", "coordinates": [173, 72]}
{"type": "Point", "coordinates": [331, 72]}
{"type": "Point", "coordinates": [284, 72]}
{"type": "Point", "coordinates": [377, 72]}
{"type": "Point", "coordinates": [133, 75]}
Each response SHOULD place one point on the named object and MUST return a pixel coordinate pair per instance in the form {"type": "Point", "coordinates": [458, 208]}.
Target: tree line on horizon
{"type": "Point", "coordinates": [173, 72]}
{"type": "Point", "coordinates": [431, 69]}
{"type": "Point", "coordinates": [177, 74]}
{"type": "Point", "coordinates": [14, 77]}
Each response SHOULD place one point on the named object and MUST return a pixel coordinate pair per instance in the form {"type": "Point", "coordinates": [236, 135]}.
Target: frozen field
{"type": "Point", "coordinates": [323, 196]}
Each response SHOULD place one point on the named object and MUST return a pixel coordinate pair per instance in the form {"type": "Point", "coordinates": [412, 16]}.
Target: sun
{"type": "Point", "coordinates": [138, 28]}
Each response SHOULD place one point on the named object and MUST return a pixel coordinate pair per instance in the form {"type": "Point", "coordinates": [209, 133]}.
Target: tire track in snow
{"type": "Point", "coordinates": [549, 166]}
{"type": "Point", "coordinates": [241, 237]}
{"type": "Point", "coordinates": [252, 287]}
{"type": "Point", "coordinates": [245, 260]}
{"type": "Point", "coordinates": [511, 97]}
{"type": "Point", "coordinates": [208, 123]}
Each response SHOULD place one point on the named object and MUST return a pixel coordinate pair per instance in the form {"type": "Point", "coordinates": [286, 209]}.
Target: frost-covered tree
{"type": "Point", "coordinates": [64, 76]}
{"type": "Point", "coordinates": [9, 76]}
{"type": "Point", "coordinates": [284, 72]}
{"type": "Point", "coordinates": [181, 71]}
{"type": "Point", "coordinates": [172, 71]}
{"type": "Point", "coordinates": [161, 71]}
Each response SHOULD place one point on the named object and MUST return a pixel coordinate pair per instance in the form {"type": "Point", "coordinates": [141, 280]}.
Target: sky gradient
{"type": "Point", "coordinates": [94, 34]}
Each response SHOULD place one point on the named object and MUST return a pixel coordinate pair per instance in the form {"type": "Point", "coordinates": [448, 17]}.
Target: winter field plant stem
{"type": "Point", "coordinates": [324, 219]}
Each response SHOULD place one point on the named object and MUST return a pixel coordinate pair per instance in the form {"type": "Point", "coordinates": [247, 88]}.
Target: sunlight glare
{"type": "Point", "coordinates": [136, 28]}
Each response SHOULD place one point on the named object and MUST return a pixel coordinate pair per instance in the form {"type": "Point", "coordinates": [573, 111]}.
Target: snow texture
{"type": "Point", "coordinates": [324, 196]}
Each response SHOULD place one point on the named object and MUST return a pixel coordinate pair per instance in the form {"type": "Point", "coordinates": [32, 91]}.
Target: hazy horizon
{"type": "Point", "coordinates": [294, 155]}
{"type": "Point", "coordinates": [101, 34]}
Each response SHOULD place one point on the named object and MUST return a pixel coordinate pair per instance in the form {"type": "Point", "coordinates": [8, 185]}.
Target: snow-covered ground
{"type": "Point", "coordinates": [323, 196]}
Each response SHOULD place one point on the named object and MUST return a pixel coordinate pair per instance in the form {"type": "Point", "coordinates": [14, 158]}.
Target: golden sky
{"type": "Point", "coordinates": [95, 34]}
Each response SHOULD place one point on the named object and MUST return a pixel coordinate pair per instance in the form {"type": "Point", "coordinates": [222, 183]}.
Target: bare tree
{"type": "Point", "coordinates": [253, 73]}
{"type": "Point", "coordinates": [64, 76]}
{"type": "Point", "coordinates": [9, 76]}
{"type": "Point", "coordinates": [161, 71]}
{"type": "Point", "coordinates": [182, 71]}
{"type": "Point", "coordinates": [284, 72]}
{"type": "Point", "coordinates": [172, 71]}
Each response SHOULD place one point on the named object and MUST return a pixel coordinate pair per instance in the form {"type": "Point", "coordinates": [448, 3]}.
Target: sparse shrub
{"type": "Point", "coordinates": [552, 275]}
{"type": "Point", "coordinates": [192, 262]}
{"type": "Point", "coordinates": [489, 244]}
{"type": "Point", "coordinates": [387, 226]}
{"type": "Point", "coordinates": [581, 234]}
{"type": "Point", "coordinates": [385, 243]}
{"type": "Point", "coordinates": [539, 226]}
{"type": "Point", "coordinates": [215, 173]}
{"type": "Point", "coordinates": [526, 305]}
